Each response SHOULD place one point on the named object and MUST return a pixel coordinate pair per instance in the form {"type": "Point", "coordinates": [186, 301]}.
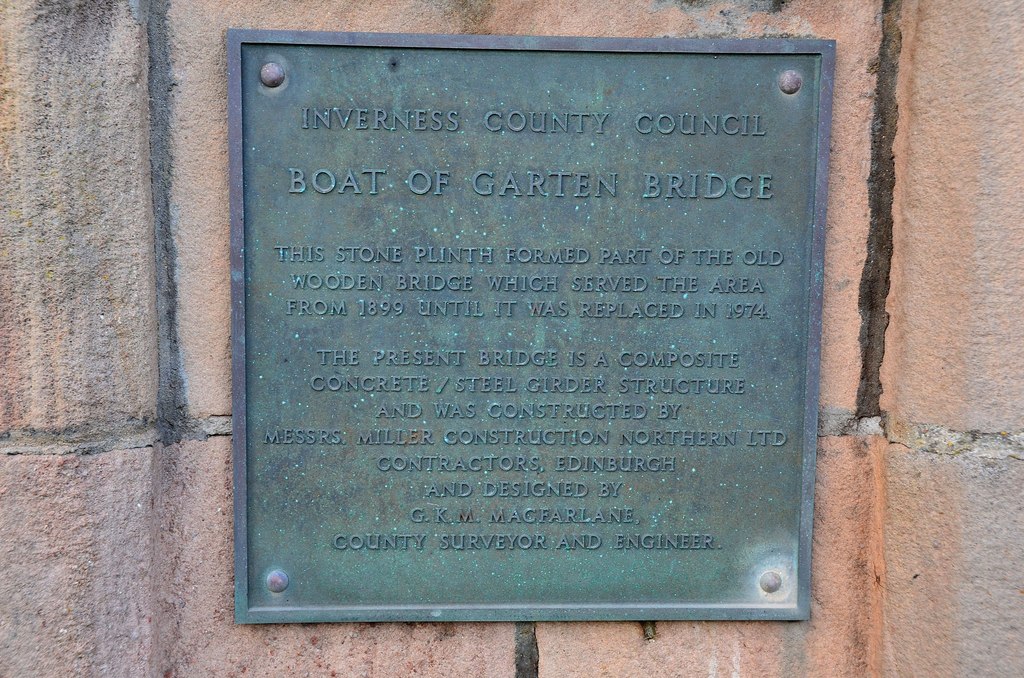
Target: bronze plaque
{"type": "Point", "coordinates": [525, 328]}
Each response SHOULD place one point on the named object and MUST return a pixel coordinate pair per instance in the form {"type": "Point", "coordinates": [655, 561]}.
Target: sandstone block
{"type": "Point", "coordinates": [955, 345]}
{"type": "Point", "coordinates": [954, 551]}
{"type": "Point", "coordinates": [75, 550]}
{"type": "Point", "coordinates": [77, 321]}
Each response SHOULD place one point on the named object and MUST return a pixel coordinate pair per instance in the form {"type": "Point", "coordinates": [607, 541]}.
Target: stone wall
{"type": "Point", "coordinates": [115, 483]}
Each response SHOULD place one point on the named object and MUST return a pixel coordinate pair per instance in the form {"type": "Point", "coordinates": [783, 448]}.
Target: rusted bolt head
{"type": "Point", "coordinates": [272, 74]}
{"type": "Point", "coordinates": [277, 581]}
{"type": "Point", "coordinates": [771, 581]}
{"type": "Point", "coordinates": [790, 82]}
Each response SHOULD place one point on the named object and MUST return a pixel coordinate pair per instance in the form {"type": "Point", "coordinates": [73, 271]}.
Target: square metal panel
{"type": "Point", "coordinates": [525, 328]}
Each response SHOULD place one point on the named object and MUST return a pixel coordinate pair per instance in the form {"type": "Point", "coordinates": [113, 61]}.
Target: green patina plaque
{"type": "Point", "coordinates": [525, 328]}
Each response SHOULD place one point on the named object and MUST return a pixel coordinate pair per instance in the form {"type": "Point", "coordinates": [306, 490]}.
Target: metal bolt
{"type": "Point", "coordinates": [771, 581]}
{"type": "Point", "coordinates": [277, 581]}
{"type": "Point", "coordinates": [790, 82]}
{"type": "Point", "coordinates": [272, 74]}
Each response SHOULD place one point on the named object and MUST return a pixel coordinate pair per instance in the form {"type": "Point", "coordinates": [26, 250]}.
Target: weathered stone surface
{"type": "Point", "coordinates": [954, 362]}
{"type": "Point", "coordinates": [75, 550]}
{"type": "Point", "coordinates": [954, 550]}
{"type": "Point", "coordinates": [120, 562]}
{"type": "Point", "coordinates": [955, 345]}
{"type": "Point", "coordinates": [200, 193]}
{"type": "Point", "coordinates": [77, 325]}
{"type": "Point", "coordinates": [839, 640]}
{"type": "Point", "coordinates": [195, 627]}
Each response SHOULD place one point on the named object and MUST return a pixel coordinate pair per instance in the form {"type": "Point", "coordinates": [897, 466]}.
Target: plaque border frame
{"type": "Point", "coordinates": [507, 612]}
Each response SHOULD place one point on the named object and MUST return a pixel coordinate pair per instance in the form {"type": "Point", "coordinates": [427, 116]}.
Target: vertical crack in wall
{"type": "Point", "coordinates": [874, 290]}
{"type": "Point", "coordinates": [171, 413]}
{"type": "Point", "coordinates": [527, 654]}
{"type": "Point", "coordinates": [874, 282]}
{"type": "Point", "coordinates": [171, 406]}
